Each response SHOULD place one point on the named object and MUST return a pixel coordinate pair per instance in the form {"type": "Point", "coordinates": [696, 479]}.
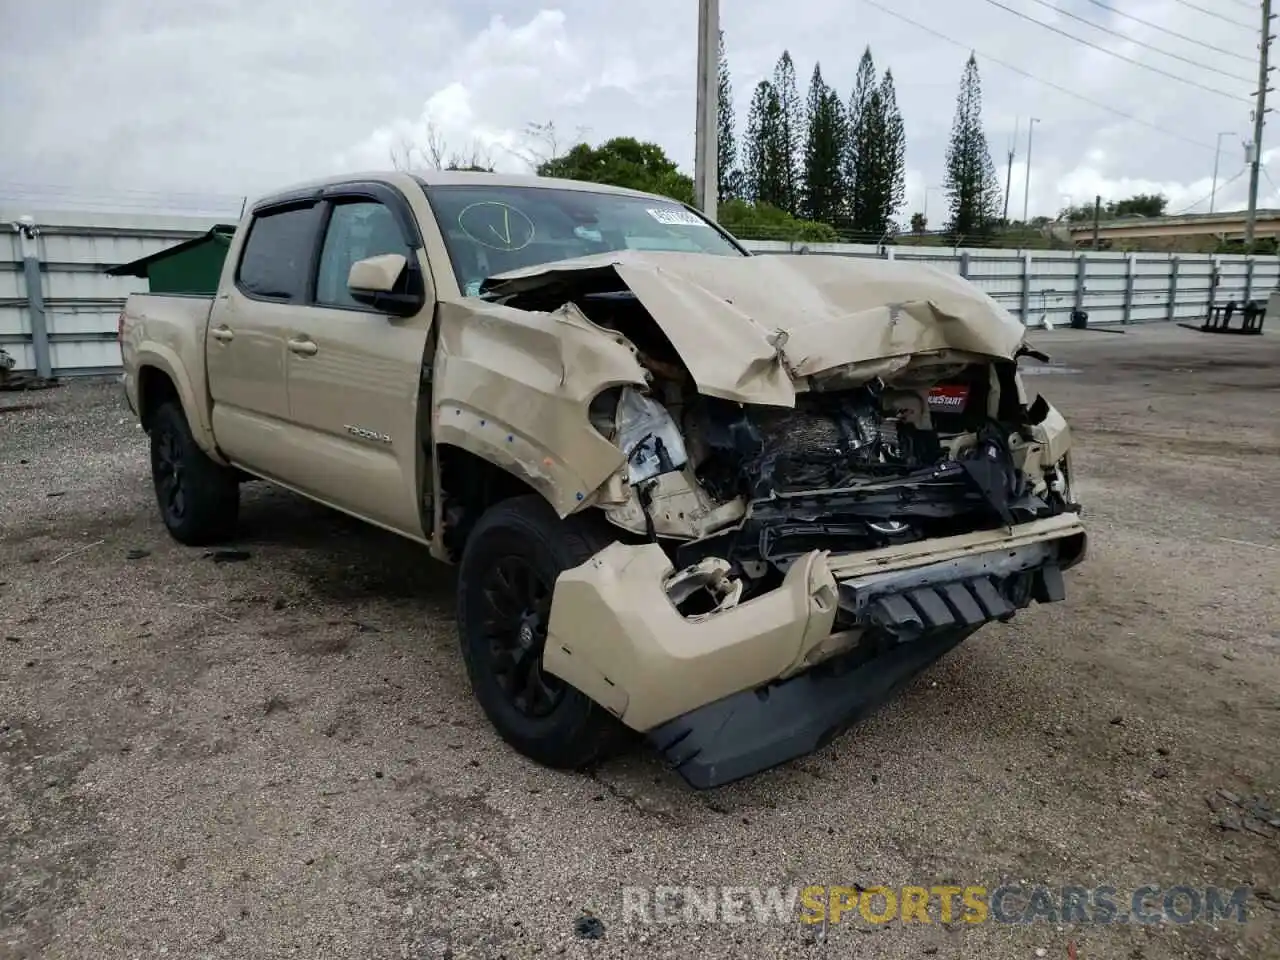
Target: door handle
{"type": "Point", "coordinates": [303, 347]}
{"type": "Point", "coordinates": [223, 334]}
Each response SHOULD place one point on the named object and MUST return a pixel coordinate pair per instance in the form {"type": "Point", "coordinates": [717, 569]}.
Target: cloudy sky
{"type": "Point", "coordinates": [141, 103]}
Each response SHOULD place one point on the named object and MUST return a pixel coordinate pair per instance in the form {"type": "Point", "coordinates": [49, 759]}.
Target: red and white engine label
{"type": "Point", "coordinates": [949, 398]}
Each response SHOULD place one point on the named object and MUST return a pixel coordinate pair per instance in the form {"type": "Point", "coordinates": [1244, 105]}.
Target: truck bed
{"type": "Point", "coordinates": [170, 330]}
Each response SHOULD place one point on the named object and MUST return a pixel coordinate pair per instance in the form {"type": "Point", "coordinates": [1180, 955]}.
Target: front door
{"type": "Point", "coordinates": [265, 284]}
{"type": "Point", "coordinates": [354, 374]}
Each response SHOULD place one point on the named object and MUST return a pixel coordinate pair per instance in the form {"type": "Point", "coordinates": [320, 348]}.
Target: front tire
{"type": "Point", "coordinates": [505, 582]}
{"type": "Point", "coordinates": [199, 499]}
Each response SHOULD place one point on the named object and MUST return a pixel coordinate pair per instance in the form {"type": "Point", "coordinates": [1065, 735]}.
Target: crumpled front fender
{"type": "Point", "coordinates": [615, 635]}
{"type": "Point", "coordinates": [514, 387]}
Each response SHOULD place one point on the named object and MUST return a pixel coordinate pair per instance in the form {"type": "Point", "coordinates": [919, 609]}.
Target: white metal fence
{"type": "Point", "coordinates": [1036, 285]}
{"type": "Point", "coordinates": [68, 327]}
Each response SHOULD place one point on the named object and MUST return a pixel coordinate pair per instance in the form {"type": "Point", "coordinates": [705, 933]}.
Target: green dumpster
{"type": "Point", "coordinates": [192, 267]}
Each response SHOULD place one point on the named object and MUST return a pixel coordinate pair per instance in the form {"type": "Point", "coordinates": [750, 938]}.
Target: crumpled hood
{"type": "Point", "coordinates": [756, 329]}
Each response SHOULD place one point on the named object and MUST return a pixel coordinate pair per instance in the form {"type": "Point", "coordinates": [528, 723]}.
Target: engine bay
{"type": "Point", "coordinates": [945, 447]}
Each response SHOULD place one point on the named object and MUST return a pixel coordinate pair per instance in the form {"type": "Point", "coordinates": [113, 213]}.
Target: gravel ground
{"type": "Point", "coordinates": [280, 756]}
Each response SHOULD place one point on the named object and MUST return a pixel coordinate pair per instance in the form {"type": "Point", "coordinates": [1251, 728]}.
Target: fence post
{"type": "Point", "coordinates": [1215, 278]}
{"type": "Point", "coordinates": [1082, 271]}
{"type": "Point", "coordinates": [1174, 263]}
{"type": "Point", "coordinates": [29, 246]}
{"type": "Point", "coordinates": [888, 252]}
{"type": "Point", "coordinates": [1126, 317]}
{"type": "Point", "coordinates": [1248, 280]}
{"type": "Point", "coordinates": [964, 264]}
{"type": "Point", "coordinates": [1025, 304]}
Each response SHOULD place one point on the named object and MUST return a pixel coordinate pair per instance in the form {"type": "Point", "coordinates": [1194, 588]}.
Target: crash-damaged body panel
{"type": "Point", "coordinates": [514, 386]}
{"type": "Point", "coordinates": [810, 462]}
{"type": "Point", "coordinates": [749, 328]}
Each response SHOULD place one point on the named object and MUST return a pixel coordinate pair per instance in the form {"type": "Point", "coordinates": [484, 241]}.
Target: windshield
{"type": "Point", "coordinates": [493, 229]}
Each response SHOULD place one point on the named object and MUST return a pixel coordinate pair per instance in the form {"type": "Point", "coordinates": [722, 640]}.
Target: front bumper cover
{"type": "Point", "coordinates": [739, 690]}
{"type": "Point", "coordinates": [751, 731]}
{"type": "Point", "coordinates": [908, 620]}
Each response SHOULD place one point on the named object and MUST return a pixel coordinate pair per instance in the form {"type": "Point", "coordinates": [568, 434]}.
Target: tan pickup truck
{"type": "Point", "coordinates": [728, 501]}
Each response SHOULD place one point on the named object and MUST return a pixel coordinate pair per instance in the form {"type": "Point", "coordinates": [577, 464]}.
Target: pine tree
{"type": "Point", "coordinates": [823, 196]}
{"type": "Point", "coordinates": [726, 141]}
{"type": "Point", "coordinates": [792, 126]}
{"type": "Point", "coordinates": [766, 156]}
{"type": "Point", "coordinates": [972, 188]}
{"type": "Point", "coordinates": [858, 142]}
{"type": "Point", "coordinates": [893, 151]}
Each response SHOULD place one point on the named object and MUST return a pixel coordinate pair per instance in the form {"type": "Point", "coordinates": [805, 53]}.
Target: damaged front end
{"type": "Point", "coordinates": [807, 516]}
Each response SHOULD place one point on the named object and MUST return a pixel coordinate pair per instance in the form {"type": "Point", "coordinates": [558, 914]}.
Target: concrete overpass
{"type": "Point", "coordinates": [1227, 225]}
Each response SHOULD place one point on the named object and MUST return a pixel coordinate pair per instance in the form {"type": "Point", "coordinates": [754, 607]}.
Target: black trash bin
{"type": "Point", "coordinates": [1079, 319]}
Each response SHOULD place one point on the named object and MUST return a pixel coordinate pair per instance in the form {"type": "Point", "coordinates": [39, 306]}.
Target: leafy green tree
{"type": "Point", "coordinates": [760, 221]}
{"type": "Point", "coordinates": [730, 178]}
{"type": "Point", "coordinates": [823, 197]}
{"type": "Point", "coordinates": [919, 223]}
{"type": "Point", "coordinates": [972, 187]}
{"type": "Point", "coordinates": [623, 162]}
{"type": "Point", "coordinates": [765, 172]}
{"type": "Point", "coordinates": [791, 130]}
{"type": "Point", "coordinates": [1139, 205]}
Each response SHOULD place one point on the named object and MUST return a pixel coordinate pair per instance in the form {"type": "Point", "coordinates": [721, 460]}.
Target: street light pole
{"type": "Point", "coordinates": [706, 176]}
{"type": "Point", "coordinates": [1008, 177]}
{"type": "Point", "coordinates": [928, 190]}
{"type": "Point", "coordinates": [1026, 190]}
{"type": "Point", "coordinates": [1213, 193]}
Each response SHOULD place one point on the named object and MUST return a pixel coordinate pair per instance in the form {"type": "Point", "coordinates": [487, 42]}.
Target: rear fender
{"type": "Point", "coordinates": [164, 359]}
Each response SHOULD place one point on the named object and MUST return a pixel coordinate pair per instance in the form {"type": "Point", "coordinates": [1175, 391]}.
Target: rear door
{"type": "Point", "coordinates": [247, 332]}
{"type": "Point", "coordinates": [355, 373]}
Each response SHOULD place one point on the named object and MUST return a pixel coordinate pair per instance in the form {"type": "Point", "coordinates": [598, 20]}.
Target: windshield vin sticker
{"type": "Point", "coordinates": [675, 217]}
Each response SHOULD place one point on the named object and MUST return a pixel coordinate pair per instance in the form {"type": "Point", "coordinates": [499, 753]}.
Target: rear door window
{"type": "Point", "coordinates": [277, 255]}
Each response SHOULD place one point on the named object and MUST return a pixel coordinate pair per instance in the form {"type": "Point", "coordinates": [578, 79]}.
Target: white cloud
{"type": "Point", "coordinates": [511, 75]}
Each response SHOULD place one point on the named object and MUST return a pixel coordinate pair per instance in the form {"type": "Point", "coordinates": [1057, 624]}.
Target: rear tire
{"type": "Point", "coordinates": [508, 572]}
{"type": "Point", "coordinates": [199, 499]}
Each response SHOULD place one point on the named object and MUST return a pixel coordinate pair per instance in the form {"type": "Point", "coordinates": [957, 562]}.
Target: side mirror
{"type": "Point", "coordinates": [386, 282]}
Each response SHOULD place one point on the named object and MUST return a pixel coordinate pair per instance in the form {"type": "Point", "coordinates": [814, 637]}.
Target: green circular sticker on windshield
{"type": "Point", "coordinates": [497, 225]}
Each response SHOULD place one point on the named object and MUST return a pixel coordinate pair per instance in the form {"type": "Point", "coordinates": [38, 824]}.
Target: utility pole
{"type": "Point", "coordinates": [1259, 118]}
{"type": "Point", "coordinates": [1008, 177]}
{"type": "Point", "coordinates": [1213, 192]}
{"type": "Point", "coordinates": [1026, 192]}
{"type": "Point", "coordinates": [1097, 216]}
{"type": "Point", "coordinates": [706, 175]}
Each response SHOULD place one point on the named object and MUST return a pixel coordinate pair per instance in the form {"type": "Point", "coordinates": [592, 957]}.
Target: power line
{"type": "Point", "coordinates": [1141, 43]}
{"type": "Point", "coordinates": [1216, 16]}
{"type": "Point", "coordinates": [34, 191]}
{"type": "Point", "coordinates": [1173, 33]}
{"type": "Point", "coordinates": [1048, 83]}
{"type": "Point", "coordinates": [1112, 53]}
{"type": "Point", "coordinates": [1208, 196]}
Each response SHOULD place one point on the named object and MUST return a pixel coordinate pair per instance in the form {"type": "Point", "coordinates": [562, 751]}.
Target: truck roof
{"type": "Point", "coordinates": [431, 178]}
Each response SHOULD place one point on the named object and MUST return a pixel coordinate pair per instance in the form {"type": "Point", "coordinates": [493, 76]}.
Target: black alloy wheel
{"type": "Point", "coordinates": [519, 609]}
{"type": "Point", "coordinates": [199, 499]}
{"type": "Point", "coordinates": [506, 581]}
